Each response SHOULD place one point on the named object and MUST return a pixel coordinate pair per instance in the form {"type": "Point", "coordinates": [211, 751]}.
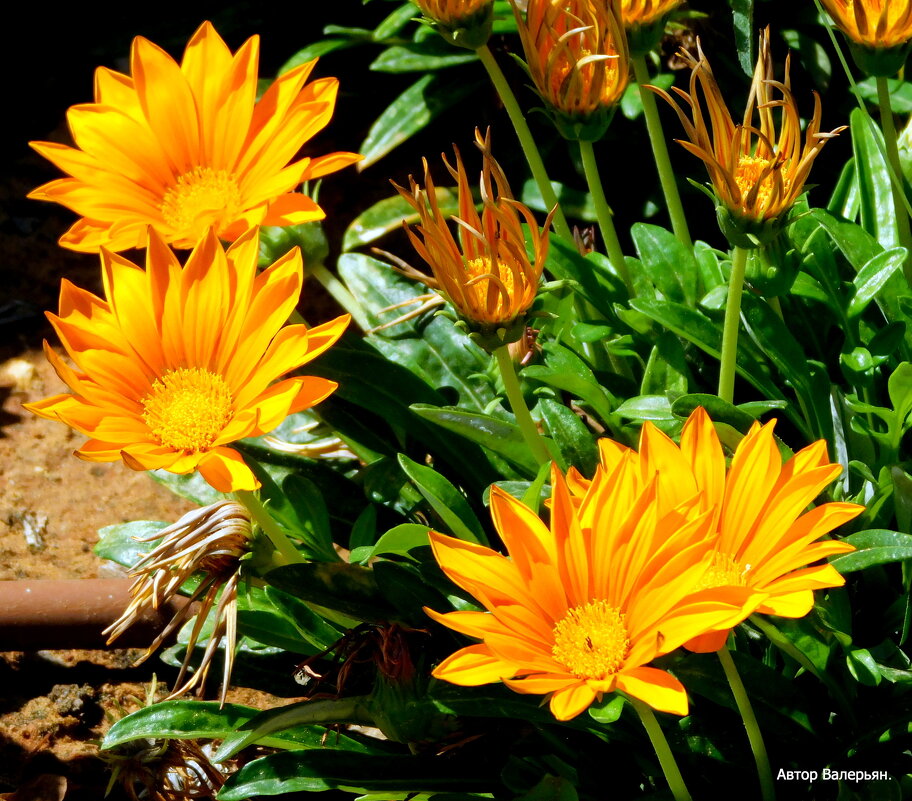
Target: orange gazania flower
{"type": "Point", "coordinates": [580, 609]}
{"type": "Point", "coordinates": [184, 147]}
{"type": "Point", "coordinates": [763, 537]}
{"type": "Point", "coordinates": [176, 363]}
{"type": "Point", "coordinates": [637, 13]}
{"type": "Point", "coordinates": [452, 12]}
{"type": "Point", "coordinates": [878, 24]}
{"type": "Point", "coordinates": [485, 271]}
{"type": "Point", "coordinates": [756, 171]}
{"type": "Point", "coordinates": [577, 53]}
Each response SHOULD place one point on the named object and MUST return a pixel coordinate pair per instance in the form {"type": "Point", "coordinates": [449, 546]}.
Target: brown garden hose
{"type": "Point", "coordinates": [49, 615]}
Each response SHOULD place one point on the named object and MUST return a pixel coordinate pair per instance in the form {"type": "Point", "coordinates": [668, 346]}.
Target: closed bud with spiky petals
{"type": "Point", "coordinates": [209, 542]}
{"type": "Point", "coordinates": [576, 52]}
{"type": "Point", "coordinates": [645, 22]}
{"type": "Point", "coordinates": [758, 168]}
{"type": "Point", "coordinates": [464, 23]}
{"type": "Point", "coordinates": [185, 147]}
{"type": "Point", "coordinates": [581, 607]}
{"type": "Point", "coordinates": [762, 536]}
{"type": "Point", "coordinates": [879, 32]}
{"type": "Point", "coordinates": [175, 363]}
{"type": "Point", "coordinates": [484, 271]}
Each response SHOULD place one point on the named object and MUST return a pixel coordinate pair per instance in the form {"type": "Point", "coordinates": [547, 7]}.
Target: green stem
{"type": "Point", "coordinates": [288, 554]}
{"type": "Point", "coordinates": [896, 175]}
{"type": "Point", "coordinates": [523, 417]}
{"type": "Point", "coordinates": [660, 153]}
{"type": "Point", "coordinates": [340, 293]}
{"type": "Point", "coordinates": [663, 750]}
{"type": "Point", "coordinates": [785, 645]}
{"type": "Point", "coordinates": [526, 140]}
{"type": "Point", "coordinates": [605, 216]}
{"type": "Point", "coordinates": [767, 788]}
{"type": "Point", "coordinates": [730, 327]}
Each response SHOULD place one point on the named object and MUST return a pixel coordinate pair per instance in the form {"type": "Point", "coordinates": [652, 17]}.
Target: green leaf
{"type": "Point", "coordinates": [119, 542]}
{"type": "Point", "coordinates": [450, 504]}
{"type": "Point", "coordinates": [745, 39]}
{"type": "Point", "coordinates": [503, 438]}
{"type": "Point", "coordinates": [264, 621]}
{"type": "Point", "coordinates": [315, 771]}
{"type": "Point", "coordinates": [398, 540]}
{"type": "Point", "coordinates": [347, 588]}
{"type": "Point", "coordinates": [566, 371]}
{"type": "Point", "coordinates": [596, 281]}
{"type": "Point", "coordinates": [873, 547]}
{"type": "Point", "coordinates": [410, 112]}
{"type": "Point", "coordinates": [647, 407]}
{"type": "Point", "coordinates": [315, 50]}
{"type": "Point", "coordinates": [574, 439]}
{"type": "Point", "coordinates": [863, 667]}
{"type": "Point", "coordinates": [878, 214]}
{"type": "Point", "coordinates": [873, 276]}
{"type": "Point", "coordinates": [812, 54]}
{"type": "Point", "coordinates": [435, 350]}
{"type": "Point", "coordinates": [667, 263]}
{"type": "Point", "coordinates": [421, 57]}
{"type": "Point", "coordinates": [261, 726]}
{"type": "Point", "coordinates": [180, 720]}
{"type": "Point", "coordinates": [190, 486]}
{"type": "Point", "coordinates": [900, 94]}
{"type": "Point", "coordinates": [309, 625]}
{"type": "Point", "coordinates": [575, 203]}
{"type": "Point", "coordinates": [666, 371]}
{"type": "Point", "coordinates": [388, 215]}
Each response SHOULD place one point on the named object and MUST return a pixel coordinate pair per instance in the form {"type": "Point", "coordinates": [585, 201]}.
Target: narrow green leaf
{"type": "Point", "coordinates": [421, 57]}
{"type": "Point", "coordinates": [499, 436]}
{"type": "Point", "coordinates": [874, 547]}
{"type": "Point", "coordinates": [667, 263]}
{"type": "Point", "coordinates": [574, 439]}
{"type": "Point", "coordinates": [450, 504]}
{"type": "Point", "coordinates": [878, 214]}
{"type": "Point", "coordinates": [410, 112]}
{"type": "Point", "coordinates": [118, 542]}
{"type": "Point", "coordinates": [388, 215]}
{"type": "Point", "coordinates": [180, 720]}
{"type": "Point", "coordinates": [398, 540]}
{"type": "Point", "coordinates": [873, 276]}
{"type": "Point", "coordinates": [745, 38]}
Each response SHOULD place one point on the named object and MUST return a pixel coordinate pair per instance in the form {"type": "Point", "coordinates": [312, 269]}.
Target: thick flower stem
{"type": "Point", "coordinates": [288, 554]}
{"type": "Point", "coordinates": [896, 175]}
{"type": "Point", "coordinates": [730, 327]}
{"type": "Point", "coordinates": [660, 153]}
{"type": "Point", "coordinates": [767, 788]}
{"type": "Point", "coordinates": [526, 140]}
{"type": "Point", "coordinates": [663, 750]}
{"type": "Point", "coordinates": [605, 216]}
{"type": "Point", "coordinates": [523, 417]}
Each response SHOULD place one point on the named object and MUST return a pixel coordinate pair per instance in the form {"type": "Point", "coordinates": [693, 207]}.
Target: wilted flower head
{"type": "Point", "coordinates": [175, 363]}
{"type": "Point", "coordinates": [576, 51]}
{"type": "Point", "coordinates": [880, 32]}
{"type": "Point", "coordinates": [762, 536]}
{"type": "Point", "coordinates": [758, 171]}
{"type": "Point", "coordinates": [185, 147]}
{"type": "Point", "coordinates": [484, 271]}
{"type": "Point", "coordinates": [464, 23]}
{"type": "Point", "coordinates": [211, 542]}
{"type": "Point", "coordinates": [580, 607]}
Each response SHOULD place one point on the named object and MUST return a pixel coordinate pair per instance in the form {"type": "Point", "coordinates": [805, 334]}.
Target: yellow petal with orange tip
{"type": "Point", "coordinates": [472, 666]}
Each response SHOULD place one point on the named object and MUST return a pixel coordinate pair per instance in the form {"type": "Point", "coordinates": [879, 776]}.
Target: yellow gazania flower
{"type": "Point", "coordinates": [485, 272]}
{"type": "Point", "coordinates": [176, 363]}
{"type": "Point", "coordinates": [579, 610]}
{"type": "Point", "coordinates": [464, 23]}
{"type": "Point", "coordinates": [183, 148]}
{"type": "Point", "coordinates": [576, 51]}
{"type": "Point", "coordinates": [757, 172]}
{"type": "Point", "coordinates": [763, 538]}
{"type": "Point", "coordinates": [878, 24]}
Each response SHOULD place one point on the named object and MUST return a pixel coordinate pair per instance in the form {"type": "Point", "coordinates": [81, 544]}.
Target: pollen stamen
{"type": "Point", "coordinates": [188, 408]}
{"type": "Point", "coordinates": [200, 198]}
{"type": "Point", "coordinates": [591, 641]}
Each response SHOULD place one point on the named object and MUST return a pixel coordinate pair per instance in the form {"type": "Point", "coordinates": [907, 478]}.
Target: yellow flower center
{"type": "Point", "coordinates": [591, 641]}
{"type": "Point", "coordinates": [724, 571]}
{"type": "Point", "coordinates": [188, 408]}
{"type": "Point", "coordinates": [749, 173]}
{"type": "Point", "coordinates": [200, 198]}
{"type": "Point", "coordinates": [477, 294]}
